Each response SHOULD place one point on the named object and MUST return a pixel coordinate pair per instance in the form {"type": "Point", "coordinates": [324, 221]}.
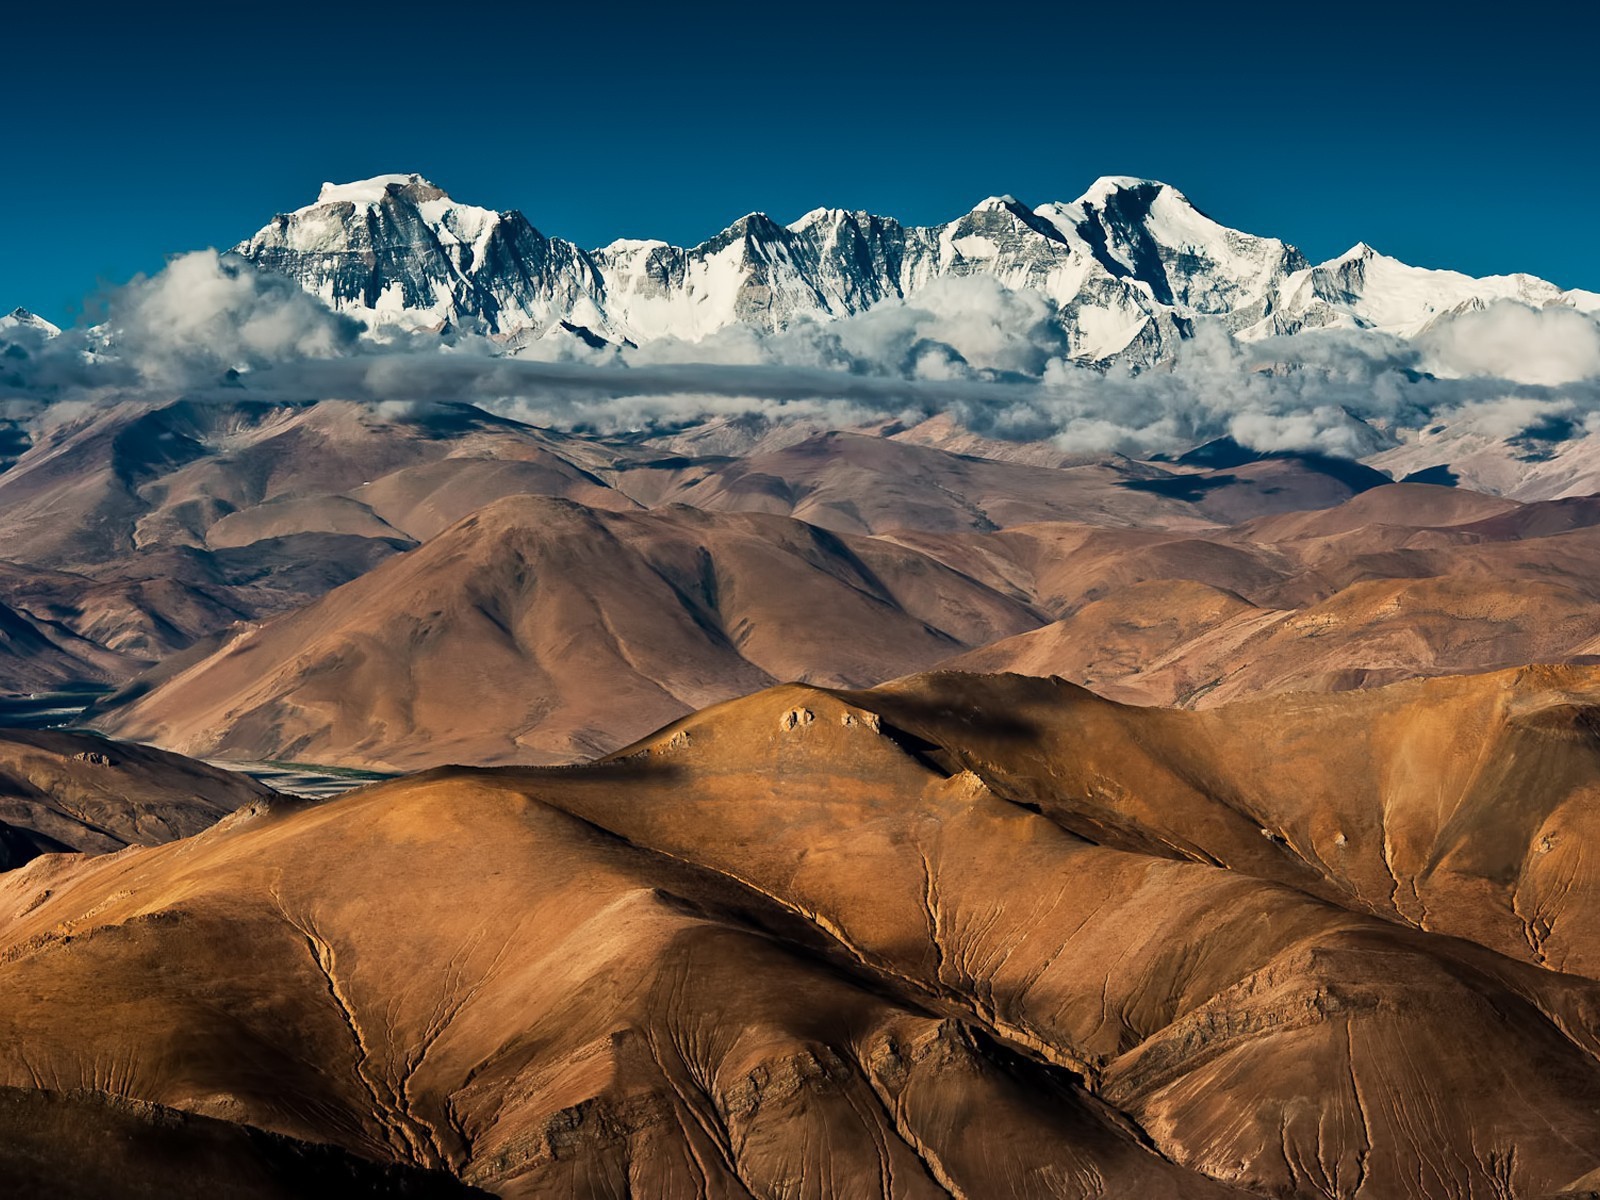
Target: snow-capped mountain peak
{"type": "Point", "coordinates": [396, 250]}
{"type": "Point", "coordinates": [1132, 267]}
{"type": "Point", "coordinates": [1007, 202]}
{"type": "Point", "coordinates": [1374, 290]}
{"type": "Point", "coordinates": [1108, 186]}
{"type": "Point", "coordinates": [23, 320]}
{"type": "Point", "coordinates": [370, 191]}
{"type": "Point", "coordinates": [831, 218]}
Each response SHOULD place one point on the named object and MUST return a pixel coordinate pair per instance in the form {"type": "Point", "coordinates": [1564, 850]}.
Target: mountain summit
{"type": "Point", "coordinates": [22, 319]}
{"type": "Point", "coordinates": [1131, 265]}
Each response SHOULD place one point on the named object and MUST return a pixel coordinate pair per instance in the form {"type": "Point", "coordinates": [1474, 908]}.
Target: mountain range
{"type": "Point", "coordinates": [961, 936]}
{"type": "Point", "coordinates": [796, 804]}
{"type": "Point", "coordinates": [338, 582]}
{"type": "Point", "coordinates": [1131, 267]}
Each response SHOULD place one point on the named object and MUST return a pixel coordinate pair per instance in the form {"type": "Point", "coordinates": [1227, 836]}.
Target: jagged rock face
{"type": "Point", "coordinates": [1131, 266]}
{"type": "Point", "coordinates": [1151, 233]}
{"type": "Point", "coordinates": [397, 250]}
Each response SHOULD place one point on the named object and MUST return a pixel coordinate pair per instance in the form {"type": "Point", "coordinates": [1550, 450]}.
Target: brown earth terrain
{"type": "Point", "coordinates": [1290, 898]}
{"type": "Point", "coordinates": [959, 936]}
{"type": "Point", "coordinates": [590, 627]}
{"type": "Point", "coordinates": [73, 792]}
{"type": "Point", "coordinates": [540, 630]}
{"type": "Point", "coordinates": [134, 531]}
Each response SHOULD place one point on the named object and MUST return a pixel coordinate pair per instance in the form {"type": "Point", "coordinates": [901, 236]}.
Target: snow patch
{"type": "Point", "coordinates": [364, 191]}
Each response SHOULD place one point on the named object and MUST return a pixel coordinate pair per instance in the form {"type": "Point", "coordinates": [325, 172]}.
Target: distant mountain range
{"type": "Point", "coordinates": [1131, 265]}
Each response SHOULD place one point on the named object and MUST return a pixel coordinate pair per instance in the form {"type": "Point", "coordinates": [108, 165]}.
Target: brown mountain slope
{"type": "Point", "coordinates": [540, 630]}
{"type": "Point", "coordinates": [613, 623]}
{"type": "Point", "coordinates": [137, 1151]}
{"type": "Point", "coordinates": [427, 499]}
{"type": "Point", "coordinates": [1457, 805]}
{"type": "Point", "coordinates": [1178, 642]}
{"type": "Point", "coordinates": [1157, 642]}
{"type": "Point", "coordinates": [1061, 566]}
{"type": "Point", "coordinates": [139, 476]}
{"type": "Point", "coordinates": [177, 520]}
{"type": "Point", "coordinates": [578, 1044]}
{"type": "Point", "coordinates": [144, 619]}
{"type": "Point", "coordinates": [1344, 597]}
{"type": "Point", "coordinates": [1407, 505]}
{"type": "Point", "coordinates": [37, 654]}
{"type": "Point", "coordinates": [965, 936]}
{"type": "Point", "coordinates": [856, 483]}
{"type": "Point", "coordinates": [70, 791]}
{"type": "Point", "coordinates": [1397, 531]}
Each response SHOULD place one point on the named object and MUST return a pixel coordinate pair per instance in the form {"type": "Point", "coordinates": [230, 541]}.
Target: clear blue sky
{"type": "Point", "coordinates": [1445, 135]}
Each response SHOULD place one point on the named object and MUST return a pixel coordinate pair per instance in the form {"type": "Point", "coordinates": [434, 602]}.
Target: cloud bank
{"type": "Point", "coordinates": [994, 359]}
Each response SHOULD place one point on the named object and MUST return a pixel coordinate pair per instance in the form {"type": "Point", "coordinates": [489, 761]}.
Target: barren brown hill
{"type": "Point", "coordinates": [141, 619]}
{"type": "Point", "coordinates": [40, 654]}
{"type": "Point", "coordinates": [587, 627]}
{"type": "Point", "coordinates": [854, 483]}
{"type": "Point", "coordinates": [1061, 566]}
{"type": "Point", "coordinates": [148, 526]}
{"type": "Point", "coordinates": [1394, 505]}
{"type": "Point", "coordinates": [857, 483]}
{"type": "Point", "coordinates": [1351, 596]}
{"type": "Point", "coordinates": [174, 521]}
{"type": "Point", "coordinates": [427, 499]}
{"type": "Point", "coordinates": [541, 630]}
{"type": "Point", "coordinates": [1155, 642]}
{"type": "Point", "coordinates": [965, 936]}
{"type": "Point", "coordinates": [186, 524]}
{"type": "Point", "coordinates": [137, 476]}
{"type": "Point", "coordinates": [132, 477]}
{"type": "Point", "coordinates": [1178, 642]}
{"type": "Point", "coordinates": [75, 792]}
{"type": "Point", "coordinates": [1456, 805]}
{"type": "Point", "coordinates": [1416, 531]}
{"type": "Point", "coordinates": [138, 1151]}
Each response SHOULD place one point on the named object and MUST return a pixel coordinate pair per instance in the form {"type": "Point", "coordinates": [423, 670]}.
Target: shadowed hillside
{"type": "Point", "coordinates": [965, 935]}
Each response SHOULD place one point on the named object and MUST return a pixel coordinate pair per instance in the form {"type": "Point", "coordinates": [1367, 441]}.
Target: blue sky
{"type": "Point", "coordinates": [1442, 135]}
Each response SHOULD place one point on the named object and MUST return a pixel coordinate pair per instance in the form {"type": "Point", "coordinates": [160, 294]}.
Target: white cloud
{"type": "Point", "coordinates": [206, 312]}
{"type": "Point", "coordinates": [992, 357]}
{"type": "Point", "coordinates": [1510, 341]}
